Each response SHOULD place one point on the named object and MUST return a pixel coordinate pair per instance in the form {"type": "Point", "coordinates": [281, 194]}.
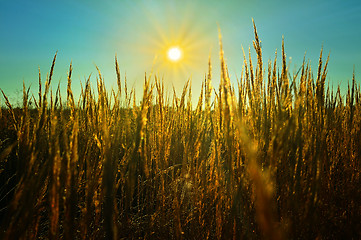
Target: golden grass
{"type": "Point", "coordinates": [277, 158]}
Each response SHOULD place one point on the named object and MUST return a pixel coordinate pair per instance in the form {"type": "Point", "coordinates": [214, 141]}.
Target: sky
{"type": "Point", "coordinates": [139, 32]}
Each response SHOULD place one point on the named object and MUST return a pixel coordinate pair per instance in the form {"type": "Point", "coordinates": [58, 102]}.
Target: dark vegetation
{"type": "Point", "coordinates": [276, 157]}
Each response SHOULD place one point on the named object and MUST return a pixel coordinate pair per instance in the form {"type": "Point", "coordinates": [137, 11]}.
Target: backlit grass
{"type": "Point", "coordinates": [277, 156]}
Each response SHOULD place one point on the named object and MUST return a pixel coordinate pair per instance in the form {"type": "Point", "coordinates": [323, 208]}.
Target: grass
{"type": "Point", "coordinates": [277, 157]}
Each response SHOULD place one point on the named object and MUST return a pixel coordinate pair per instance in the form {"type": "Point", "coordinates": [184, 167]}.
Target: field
{"type": "Point", "coordinates": [278, 156]}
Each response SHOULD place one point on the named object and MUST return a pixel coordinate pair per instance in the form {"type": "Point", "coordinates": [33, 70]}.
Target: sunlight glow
{"type": "Point", "coordinates": [174, 54]}
{"type": "Point", "coordinates": [172, 46]}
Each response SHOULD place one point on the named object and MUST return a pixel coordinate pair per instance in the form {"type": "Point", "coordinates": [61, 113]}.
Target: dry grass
{"type": "Point", "coordinates": [277, 157]}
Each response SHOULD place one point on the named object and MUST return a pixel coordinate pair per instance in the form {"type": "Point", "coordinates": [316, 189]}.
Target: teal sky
{"type": "Point", "coordinates": [92, 32]}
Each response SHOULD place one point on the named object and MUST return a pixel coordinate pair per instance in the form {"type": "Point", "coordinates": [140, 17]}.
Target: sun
{"type": "Point", "coordinates": [174, 54]}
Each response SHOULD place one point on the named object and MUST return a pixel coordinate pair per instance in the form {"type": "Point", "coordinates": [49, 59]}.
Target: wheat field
{"type": "Point", "coordinates": [276, 156]}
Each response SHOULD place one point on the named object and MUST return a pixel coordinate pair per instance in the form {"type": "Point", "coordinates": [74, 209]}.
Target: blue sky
{"type": "Point", "coordinates": [92, 32]}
